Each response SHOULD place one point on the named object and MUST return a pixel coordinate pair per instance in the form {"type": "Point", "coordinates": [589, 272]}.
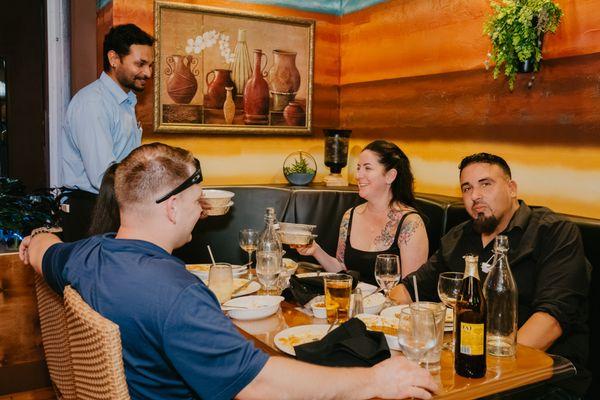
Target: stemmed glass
{"type": "Point", "coordinates": [248, 242]}
{"type": "Point", "coordinates": [387, 272]}
{"type": "Point", "coordinates": [449, 284]}
{"type": "Point", "coordinates": [417, 333]}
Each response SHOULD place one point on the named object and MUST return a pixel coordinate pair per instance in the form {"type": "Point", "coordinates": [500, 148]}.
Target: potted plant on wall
{"type": "Point", "coordinates": [516, 29]}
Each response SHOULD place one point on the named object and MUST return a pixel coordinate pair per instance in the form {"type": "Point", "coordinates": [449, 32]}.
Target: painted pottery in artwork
{"type": "Point", "coordinates": [256, 95]}
{"type": "Point", "coordinates": [284, 78]}
{"type": "Point", "coordinates": [241, 67]}
{"type": "Point", "coordinates": [229, 106]}
{"type": "Point", "coordinates": [294, 114]}
{"type": "Point", "coordinates": [217, 80]}
{"type": "Point", "coordinates": [182, 84]}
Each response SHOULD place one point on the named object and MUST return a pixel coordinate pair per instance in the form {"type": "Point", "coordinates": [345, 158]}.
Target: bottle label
{"type": "Point", "coordinates": [471, 339]}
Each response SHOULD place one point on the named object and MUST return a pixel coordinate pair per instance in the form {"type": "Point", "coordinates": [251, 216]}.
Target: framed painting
{"type": "Point", "coordinates": [219, 71]}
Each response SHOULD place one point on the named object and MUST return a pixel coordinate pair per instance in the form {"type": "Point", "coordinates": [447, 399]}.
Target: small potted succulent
{"type": "Point", "coordinates": [299, 168]}
{"type": "Point", "coordinates": [516, 29]}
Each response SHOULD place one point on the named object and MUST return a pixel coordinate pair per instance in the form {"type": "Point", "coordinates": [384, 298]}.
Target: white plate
{"type": "Point", "coordinates": [253, 287]}
{"type": "Point", "coordinates": [395, 310]}
{"type": "Point", "coordinates": [257, 307]}
{"type": "Point", "coordinates": [297, 335]}
{"type": "Point", "coordinates": [204, 275]}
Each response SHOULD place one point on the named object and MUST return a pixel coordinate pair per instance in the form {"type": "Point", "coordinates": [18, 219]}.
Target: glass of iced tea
{"type": "Point", "coordinates": [337, 297]}
{"type": "Point", "coordinates": [220, 281]}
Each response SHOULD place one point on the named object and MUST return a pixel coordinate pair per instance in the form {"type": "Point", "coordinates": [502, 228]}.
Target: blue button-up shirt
{"type": "Point", "coordinates": [100, 128]}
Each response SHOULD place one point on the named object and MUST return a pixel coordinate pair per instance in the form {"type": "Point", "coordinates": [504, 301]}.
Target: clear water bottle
{"type": "Point", "coordinates": [500, 291]}
{"type": "Point", "coordinates": [269, 252]}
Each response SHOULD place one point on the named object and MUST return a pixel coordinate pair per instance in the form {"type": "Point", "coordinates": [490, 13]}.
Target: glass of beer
{"type": "Point", "coordinates": [337, 297]}
{"type": "Point", "coordinates": [220, 281]}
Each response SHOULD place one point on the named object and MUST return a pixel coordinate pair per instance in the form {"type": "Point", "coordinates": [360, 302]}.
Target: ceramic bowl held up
{"type": "Point", "coordinates": [216, 202]}
{"type": "Point", "coordinates": [296, 234]}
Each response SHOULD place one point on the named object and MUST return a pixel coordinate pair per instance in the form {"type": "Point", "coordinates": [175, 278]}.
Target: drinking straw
{"type": "Point", "coordinates": [211, 254]}
{"type": "Point", "coordinates": [416, 288]}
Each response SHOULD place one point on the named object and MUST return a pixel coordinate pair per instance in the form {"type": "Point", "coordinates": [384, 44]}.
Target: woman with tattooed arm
{"type": "Point", "coordinates": [387, 223]}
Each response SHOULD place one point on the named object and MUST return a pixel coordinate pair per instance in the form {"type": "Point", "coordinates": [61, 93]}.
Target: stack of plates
{"type": "Point", "coordinates": [201, 270]}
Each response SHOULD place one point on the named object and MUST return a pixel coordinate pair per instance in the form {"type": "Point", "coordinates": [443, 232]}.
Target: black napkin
{"type": "Point", "coordinates": [349, 345]}
{"type": "Point", "coordinates": [304, 290]}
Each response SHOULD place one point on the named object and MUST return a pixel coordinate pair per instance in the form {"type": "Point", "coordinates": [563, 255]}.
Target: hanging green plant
{"type": "Point", "coordinates": [516, 29]}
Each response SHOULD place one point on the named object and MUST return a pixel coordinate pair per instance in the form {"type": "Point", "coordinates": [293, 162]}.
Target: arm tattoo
{"type": "Point", "coordinates": [408, 231]}
{"type": "Point", "coordinates": [384, 240]}
{"type": "Point", "coordinates": [341, 247]}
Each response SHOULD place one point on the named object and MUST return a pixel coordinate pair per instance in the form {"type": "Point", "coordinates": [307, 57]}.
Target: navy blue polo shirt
{"type": "Point", "coordinates": [177, 343]}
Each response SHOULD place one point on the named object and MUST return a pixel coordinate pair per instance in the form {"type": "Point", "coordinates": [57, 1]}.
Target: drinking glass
{"type": "Point", "coordinates": [268, 268]}
{"type": "Point", "coordinates": [220, 281]}
{"type": "Point", "coordinates": [431, 359]}
{"type": "Point", "coordinates": [248, 242]}
{"type": "Point", "coordinates": [356, 303]}
{"type": "Point", "coordinates": [337, 297]}
{"type": "Point", "coordinates": [417, 333]}
{"type": "Point", "coordinates": [449, 284]}
{"type": "Point", "coordinates": [387, 272]}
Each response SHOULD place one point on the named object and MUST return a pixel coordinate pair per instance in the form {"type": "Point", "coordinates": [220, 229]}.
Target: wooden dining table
{"type": "Point", "coordinates": [530, 366]}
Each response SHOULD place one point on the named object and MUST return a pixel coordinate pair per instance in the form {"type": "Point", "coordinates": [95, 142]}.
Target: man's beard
{"type": "Point", "coordinates": [129, 84]}
{"type": "Point", "coordinates": [485, 225]}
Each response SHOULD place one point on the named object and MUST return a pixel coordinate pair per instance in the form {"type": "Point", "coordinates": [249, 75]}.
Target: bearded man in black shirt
{"type": "Point", "coordinates": [546, 257]}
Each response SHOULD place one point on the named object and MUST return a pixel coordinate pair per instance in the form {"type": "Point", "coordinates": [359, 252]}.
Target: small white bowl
{"type": "Point", "coordinates": [214, 211]}
{"type": "Point", "coordinates": [217, 198]}
{"type": "Point", "coordinates": [317, 306]}
{"type": "Point", "coordinates": [374, 303]}
{"type": "Point", "coordinates": [254, 307]}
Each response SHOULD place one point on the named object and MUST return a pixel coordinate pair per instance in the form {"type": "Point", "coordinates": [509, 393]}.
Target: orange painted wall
{"type": "Point", "coordinates": [412, 71]}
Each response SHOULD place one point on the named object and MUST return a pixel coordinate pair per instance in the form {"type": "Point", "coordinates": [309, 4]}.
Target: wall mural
{"type": "Point", "coordinates": [221, 71]}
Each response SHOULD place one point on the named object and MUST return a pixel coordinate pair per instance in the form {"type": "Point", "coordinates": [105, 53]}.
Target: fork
{"type": "Point", "coordinates": [332, 325]}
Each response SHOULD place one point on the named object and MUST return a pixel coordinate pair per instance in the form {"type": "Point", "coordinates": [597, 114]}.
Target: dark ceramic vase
{"type": "Point", "coordinates": [294, 114]}
{"type": "Point", "coordinates": [215, 88]}
{"type": "Point", "coordinates": [181, 85]}
{"type": "Point", "coordinates": [256, 95]}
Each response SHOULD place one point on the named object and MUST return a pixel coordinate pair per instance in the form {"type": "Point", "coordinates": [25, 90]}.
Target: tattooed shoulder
{"type": "Point", "coordinates": [408, 229]}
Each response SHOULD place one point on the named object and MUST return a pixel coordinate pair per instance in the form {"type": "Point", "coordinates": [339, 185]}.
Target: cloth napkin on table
{"type": "Point", "coordinates": [349, 345]}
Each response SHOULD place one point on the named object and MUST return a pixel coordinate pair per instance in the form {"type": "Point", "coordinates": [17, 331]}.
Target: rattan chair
{"type": "Point", "coordinates": [96, 352]}
{"type": "Point", "coordinates": [55, 339]}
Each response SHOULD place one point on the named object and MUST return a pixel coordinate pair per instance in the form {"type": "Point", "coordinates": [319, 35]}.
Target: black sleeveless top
{"type": "Point", "coordinates": [364, 261]}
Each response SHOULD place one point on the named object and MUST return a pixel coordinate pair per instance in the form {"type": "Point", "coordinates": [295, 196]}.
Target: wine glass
{"type": "Point", "coordinates": [449, 284]}
{"type": "Point", "coordinates": [417, 333]}
{"type": "Point", "coordinates": [387, 272]}
{"type": "Point", "coordinates": [248, 242]}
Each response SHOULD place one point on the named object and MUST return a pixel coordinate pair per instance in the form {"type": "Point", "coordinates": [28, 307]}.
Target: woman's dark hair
{"type": "Point", "coordinates": [120, 38]}
{"type": "Point", "coordinates": [391, 157]}
{"type": "Point", "coordinates": [105, 217]}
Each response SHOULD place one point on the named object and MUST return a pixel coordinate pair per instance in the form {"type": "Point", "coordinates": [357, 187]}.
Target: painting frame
{"type": "Point", "coordinates": [289, 102]}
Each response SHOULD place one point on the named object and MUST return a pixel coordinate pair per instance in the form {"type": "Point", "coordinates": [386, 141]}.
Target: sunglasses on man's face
{"type": "Point", "coordinates": [192, 180]}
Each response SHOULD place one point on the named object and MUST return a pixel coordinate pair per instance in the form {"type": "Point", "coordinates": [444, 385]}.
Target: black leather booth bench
{"type": "Point", "coordinates": [324, 207]}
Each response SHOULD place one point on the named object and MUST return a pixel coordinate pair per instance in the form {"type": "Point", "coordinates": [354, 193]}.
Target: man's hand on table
{"type": "Point", "coordinates": [397, 377]}
{"type": "Point", "coordinates": [400, 295]}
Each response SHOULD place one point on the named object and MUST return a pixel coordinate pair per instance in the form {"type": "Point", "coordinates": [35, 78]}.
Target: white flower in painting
{"type": "Point", "coordinates": [190, 46]}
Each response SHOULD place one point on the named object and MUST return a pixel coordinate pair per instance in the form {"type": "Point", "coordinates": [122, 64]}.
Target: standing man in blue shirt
{"type": "Point", "coordinates": [101, 126]}
{"type": "Point", "coordinates": [177, 343]}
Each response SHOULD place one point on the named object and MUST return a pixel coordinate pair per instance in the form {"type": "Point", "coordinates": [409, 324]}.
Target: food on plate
{"type": "Point", "coordinates": [296, 340]}
{"type": "Point", "coordinates": [198, 267]}
{"type": "Point", "coordinates": [378, 323]}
